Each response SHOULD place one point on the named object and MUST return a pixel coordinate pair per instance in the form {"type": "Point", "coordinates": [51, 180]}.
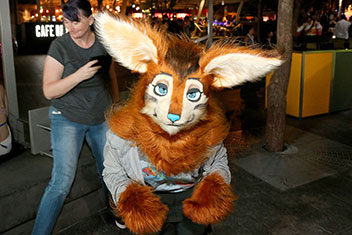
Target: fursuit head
{"type": "Point", "coordinates": [172, 114]}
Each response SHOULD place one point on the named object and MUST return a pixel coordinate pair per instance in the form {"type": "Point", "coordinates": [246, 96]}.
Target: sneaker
{"type": "Point", "coordinates": [120, 224]}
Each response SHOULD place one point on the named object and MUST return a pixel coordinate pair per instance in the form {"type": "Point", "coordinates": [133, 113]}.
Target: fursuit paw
{"type": "Point", "coordinates": [141, 210]}
{"type": "Point", "coordinates": [212, 200]}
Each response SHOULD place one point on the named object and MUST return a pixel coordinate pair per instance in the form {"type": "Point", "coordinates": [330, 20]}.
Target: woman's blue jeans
{"type": "Point", "coordinates": [66, 139]}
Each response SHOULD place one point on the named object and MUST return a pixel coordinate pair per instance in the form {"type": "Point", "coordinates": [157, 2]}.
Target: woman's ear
{"type": "Point", "coordinates": [231, 66]}
{"type": "Point", "coordinates": [91, 20]}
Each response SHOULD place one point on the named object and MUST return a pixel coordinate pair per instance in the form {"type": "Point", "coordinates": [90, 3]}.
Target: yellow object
{"type": "Point", "coordinates": [294, 85]}
{"type": "Point", "coordinates": [309, 87]}
{"type": "Point", "coordinates": [316, 84]}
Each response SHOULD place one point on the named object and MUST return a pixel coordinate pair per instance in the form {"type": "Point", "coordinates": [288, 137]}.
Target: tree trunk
{"type": "Point", "coordinates": [39, 18]}
{"type": "Point", "coordinates": [260, 16]}
{"type": "Point", "coordinates": [100, 5]}
{"type": "Point", "coordinates": [124, 7]}
{"type": "Point", "coordinates": [277, 89]}
{"type": "Point", "coordinates": [238, 13]}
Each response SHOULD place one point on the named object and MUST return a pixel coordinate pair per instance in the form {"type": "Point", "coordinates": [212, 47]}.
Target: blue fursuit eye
{"type": "Point", "coordinates": [160, 89]}
{"type": "Point", "coordinates": [194, 94]}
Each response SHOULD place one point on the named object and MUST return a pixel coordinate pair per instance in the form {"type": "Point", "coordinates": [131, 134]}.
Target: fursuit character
{"type": "Point", "coordinates": [164, 157]}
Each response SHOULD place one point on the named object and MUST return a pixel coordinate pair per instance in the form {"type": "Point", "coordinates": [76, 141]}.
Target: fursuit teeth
{"type": "Point", "coordinates": [141, 210]}
{"type": "Point", "coordinates": [212, 201]}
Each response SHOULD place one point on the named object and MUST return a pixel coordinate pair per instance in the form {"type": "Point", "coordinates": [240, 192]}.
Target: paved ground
{"type": "Point", "coordinates": [320, 207]}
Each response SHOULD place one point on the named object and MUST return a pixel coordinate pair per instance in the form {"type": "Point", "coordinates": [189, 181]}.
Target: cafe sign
{"type": "Point", "coordinates": [36, 37]}
{"type": "Point", "coordinates": [49, 30]}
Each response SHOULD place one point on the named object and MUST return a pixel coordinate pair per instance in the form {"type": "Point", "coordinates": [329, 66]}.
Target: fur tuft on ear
{"type": "Point", "coordinates": [231, 66]}
{"type": "Point", "coordinates": [127, 41]}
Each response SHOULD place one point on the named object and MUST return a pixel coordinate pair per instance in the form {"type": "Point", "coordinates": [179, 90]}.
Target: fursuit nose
{"type": "Point", "coordinates": [173, 117]}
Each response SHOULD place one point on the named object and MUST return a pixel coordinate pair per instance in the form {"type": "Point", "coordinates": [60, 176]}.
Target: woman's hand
{"type": "Point", "coordinates": [88, 70]}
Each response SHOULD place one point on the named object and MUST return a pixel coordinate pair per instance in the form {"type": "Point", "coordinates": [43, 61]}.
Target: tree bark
{"type": "Point", "coordinates": [124, 7]}
{"type": "Point", "coordinates": [260, 16]}
{"type": "Point", "coordinates": [238, 13]}
{"type": "Point", "coordinates": [39, 18]}
{"type": "Point", "coordinates": [100, 5]}
{"type": "Point", "coordinates": [277, 89]}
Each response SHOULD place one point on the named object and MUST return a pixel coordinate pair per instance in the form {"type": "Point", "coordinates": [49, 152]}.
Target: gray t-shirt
{"type": "Point", "coordinates": [86, 102]}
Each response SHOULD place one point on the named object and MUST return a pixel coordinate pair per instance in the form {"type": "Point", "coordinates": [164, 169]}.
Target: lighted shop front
{"type": "Point", "coordinates": [38, 22]}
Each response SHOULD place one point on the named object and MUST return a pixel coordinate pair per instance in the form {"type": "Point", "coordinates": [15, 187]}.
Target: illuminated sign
{"type": "Point", "coordinates": [137, 15]}
{"type": "Point", "coordinates": [181, 15]}
{"type": "Point", "coordinates": [49, 30]}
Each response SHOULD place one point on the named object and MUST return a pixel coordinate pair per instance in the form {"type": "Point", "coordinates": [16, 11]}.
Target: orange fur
{"type": "Point", "coordinates": [182, 152]}
{"type": "Point", "coordinates": [211, 201]}
{"type": "Point", "coordinates": [141, 210]}
{"type": "Point", "coordinates": [177, 97]}
{"type": "Point", "coordinates": [187, 147]}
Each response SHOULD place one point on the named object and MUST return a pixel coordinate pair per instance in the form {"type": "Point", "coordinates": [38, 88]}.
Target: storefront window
{"type": "Point", "coordinates": [29, 11]}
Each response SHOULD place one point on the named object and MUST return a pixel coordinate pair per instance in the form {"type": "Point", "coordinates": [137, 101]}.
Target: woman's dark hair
{"type": "Point", "coordinates": [71, 9]}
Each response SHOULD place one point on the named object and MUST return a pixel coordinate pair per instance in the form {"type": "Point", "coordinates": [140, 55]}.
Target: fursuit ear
{"type": "Point", "coordinates": [230, 67]}
{"type": "Point", "coordinates": [126, 42]}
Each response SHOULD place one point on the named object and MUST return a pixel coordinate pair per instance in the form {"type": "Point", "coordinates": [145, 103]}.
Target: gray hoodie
{"type": "Point", "coordinates": [123, 166]}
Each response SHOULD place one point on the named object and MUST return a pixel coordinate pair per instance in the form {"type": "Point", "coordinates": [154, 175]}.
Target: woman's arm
{"type": "Point", "coordinates": [300, 28]}
{"type": "Point", "coordinates": [3, 100]}
{"type": "Point", "coordinates": [54, 86]}
{"type": "Point", "coordinates": [308, 27]}
{"type": "Point", "coordinates": [246, 40]}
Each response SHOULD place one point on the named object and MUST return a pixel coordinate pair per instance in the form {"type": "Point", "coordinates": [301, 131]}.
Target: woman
{"type": "Point", "coordinates": [77, 88]}
{"type": "Point", "coordinates": [5, 133]}
{"type": "Point", "coordinates": [249, 39]}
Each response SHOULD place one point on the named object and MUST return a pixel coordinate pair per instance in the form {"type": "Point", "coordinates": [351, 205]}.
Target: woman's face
{"type": "Point", "coordinates": [77, 29]}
